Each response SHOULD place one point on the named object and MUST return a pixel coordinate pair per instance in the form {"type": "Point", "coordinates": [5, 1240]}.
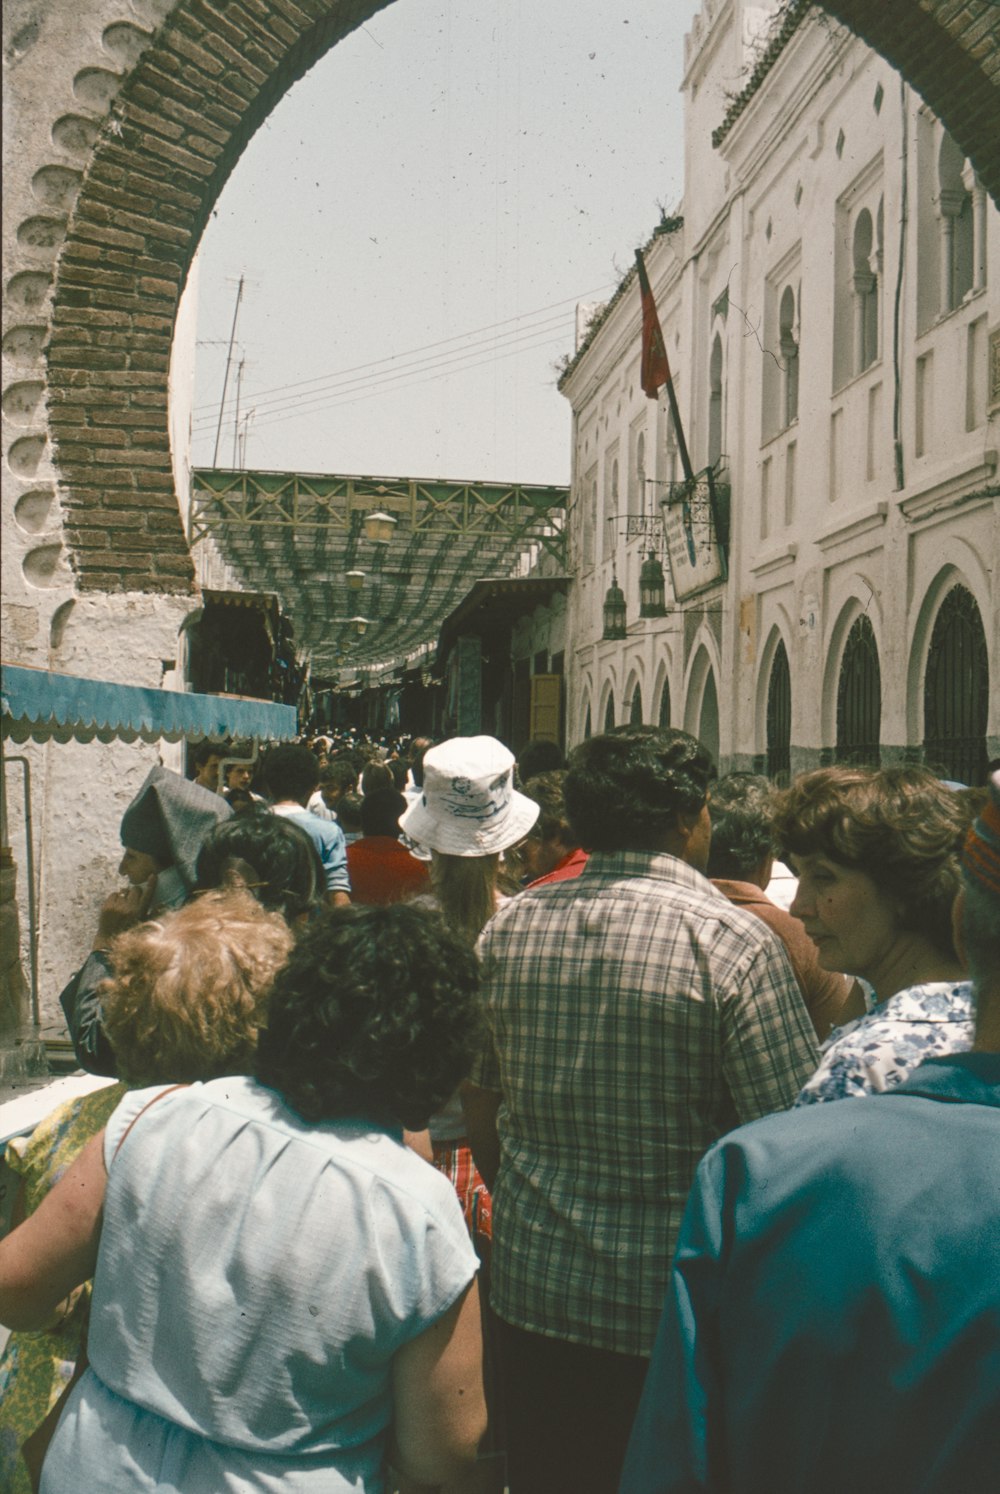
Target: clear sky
{"type": "Point", "coordinates": [416, 222]}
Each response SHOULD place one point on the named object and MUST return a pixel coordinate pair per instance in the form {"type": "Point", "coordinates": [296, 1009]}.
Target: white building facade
{"type": "Point", "coordinates": [829, 295]}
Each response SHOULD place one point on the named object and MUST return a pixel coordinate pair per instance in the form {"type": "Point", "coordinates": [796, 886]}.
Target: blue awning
{"type": "Point", "coordinates": [64, 707]}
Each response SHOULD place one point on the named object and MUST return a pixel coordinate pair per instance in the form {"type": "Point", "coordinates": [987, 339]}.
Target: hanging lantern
{"type": "Point", "coordinates": [614, 610]}
{"type": "Point", "coordinates": [652, 588]}
{"type": "Point", "coordinates": [355, 580]}
{"type": "Point", "coordinates": [360, 625]}
{"type": "Point", "coordinates": [379, 527]}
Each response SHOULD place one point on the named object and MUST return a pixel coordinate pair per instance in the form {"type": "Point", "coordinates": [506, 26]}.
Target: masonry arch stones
{"type": "Point", "coordinates": [128, 119]}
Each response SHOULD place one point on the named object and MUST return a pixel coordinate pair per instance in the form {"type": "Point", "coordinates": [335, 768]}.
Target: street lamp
{"type": "Point", "coordinates": [355, 580]}
{"type": "Point", "coordinates": [360, 625]}
{"type": "Point", "coordinates": [614, 610]}
{"type": "Point", "coordinates": [379, 527]}
{"type": "Point", "coordinates": [652, 588]}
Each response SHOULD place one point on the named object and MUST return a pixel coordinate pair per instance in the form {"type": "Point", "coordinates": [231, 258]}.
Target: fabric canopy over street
{"type": "Point", "coordinates": [63, 707]}
{"type": "Point", "coordinates": [369, 567]}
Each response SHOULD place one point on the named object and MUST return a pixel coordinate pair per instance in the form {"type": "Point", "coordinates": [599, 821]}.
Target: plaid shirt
{"type": "Point", "coordinates": [636, 1016]}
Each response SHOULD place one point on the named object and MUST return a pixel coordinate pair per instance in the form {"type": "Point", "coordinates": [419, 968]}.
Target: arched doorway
{"type": "Point", "coordinates": [859, 697]}
{"type": "Point", "coordinates": [609, 713]}
{"type": "Point", "coordinates": [664, 717]}
{"type": "Point", "coordinates": [708, 719]}
{"type": "Point", "coordinates": [635, 709]}
{"type": "Point", "coordinates": [779, 717]}
{"type": "Point", "coordinates": [957, 691]}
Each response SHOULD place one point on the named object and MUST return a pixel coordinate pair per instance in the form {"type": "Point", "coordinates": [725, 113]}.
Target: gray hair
{"type": "Point", "coordinates": [741, 807]}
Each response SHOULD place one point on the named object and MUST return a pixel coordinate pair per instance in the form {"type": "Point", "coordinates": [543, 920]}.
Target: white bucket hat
{"type": "Point", "coordinates": [469, 805]}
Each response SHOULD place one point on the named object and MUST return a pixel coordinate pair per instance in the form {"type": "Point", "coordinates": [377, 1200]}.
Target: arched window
{"type": "Point", "coordinates": [671, 454]}
{"type": "Point", "coordinates": [788, 340]}
{"type": "Point", "coordinates": [609, 539]}
{"type": "Point", "coordinates": [865, 288]}
{"type": "Point", "coordinates": [859, 697]}
{"type": "Point", "coordinates": [635, 710]}
{"type": "Point", "coordinates": [665, 704]}
{"type": "Point", "coordinates": [715, 402]}
{"type": "Point", "coordinates": [588, 518]}
{"type": "Point", "coordinates": [708, 721]}
{"type": "Point", "coordinates": [637, 496]}
{"type": "Point", "coordinates": [956, 219]}
{"type": "Point", "coordinates": [779, 717]}
{"type": "Point", "coordinates": [957, 691]}
{"type": "Point", "coordinates": [609, 713]}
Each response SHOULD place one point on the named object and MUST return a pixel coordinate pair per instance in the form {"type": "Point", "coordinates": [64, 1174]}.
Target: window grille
{"type": "Point", "coordinates": [957, 691]}
{"type": "Point", "coordinates": [779, 718]}
{"type": "Point", "coordinates": [859, 697]}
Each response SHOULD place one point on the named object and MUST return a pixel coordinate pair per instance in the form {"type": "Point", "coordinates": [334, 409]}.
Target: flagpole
{"type": "Point", "coordinates": [649, 310]}
{"type": "Point", "coordinates": [679, 431]}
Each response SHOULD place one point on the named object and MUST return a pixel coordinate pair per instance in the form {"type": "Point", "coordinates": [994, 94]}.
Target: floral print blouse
{"type": "Point", "coordinates": [879, 1050]}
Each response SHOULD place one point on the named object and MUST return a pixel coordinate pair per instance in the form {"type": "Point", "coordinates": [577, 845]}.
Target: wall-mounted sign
{"type": "Point", "coordinates": [696, 530]}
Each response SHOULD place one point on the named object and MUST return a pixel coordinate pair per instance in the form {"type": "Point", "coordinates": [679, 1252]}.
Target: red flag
{"type": "Point", "coordinates": [655, 370]}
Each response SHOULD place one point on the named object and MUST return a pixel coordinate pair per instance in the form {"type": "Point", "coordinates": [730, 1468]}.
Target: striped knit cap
{"type": "Point", "coordinates": [981, 857]}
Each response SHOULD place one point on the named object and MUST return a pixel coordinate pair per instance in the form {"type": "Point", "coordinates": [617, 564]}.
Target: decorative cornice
{"type": "Point", "coordinates": [854, 524]}
{"type": "Point", "coordinates": [775, 560]}
{"type": "Point", "coordinates": [953, 491]}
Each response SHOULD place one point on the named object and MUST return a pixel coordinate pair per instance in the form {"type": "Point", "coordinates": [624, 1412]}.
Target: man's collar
{"type": "Point", "coordinates": [658, 864]}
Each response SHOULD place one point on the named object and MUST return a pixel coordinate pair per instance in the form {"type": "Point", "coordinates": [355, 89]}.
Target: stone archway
{"type": "Point", "coordinates": [128, 119]}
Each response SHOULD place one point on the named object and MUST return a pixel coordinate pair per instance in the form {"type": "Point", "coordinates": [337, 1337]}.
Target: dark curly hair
{"type": "Point", "coordinates": [900, 826]}
{"type": "Point", "coordinates": [548, 792]}
{"type": "Point", "coordinates": [267, 854]}
{"type": "Point", "coordinates": [376, 1016]}
{"type": "Point", "coordinates": [624, 789]}
{"type": "Point", "coordinates": [742, 838]}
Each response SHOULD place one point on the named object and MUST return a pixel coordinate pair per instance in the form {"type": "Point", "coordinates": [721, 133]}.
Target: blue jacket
{"type": "Point", "coordinates": [832, 1321]}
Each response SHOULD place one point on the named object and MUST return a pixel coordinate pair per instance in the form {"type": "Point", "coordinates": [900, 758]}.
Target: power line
{"type": "Point", "coordinates": [279, 390]}
{"type": "Point", "coordinates": [398, 369]}
{"type": "Point", "coordinates": [382, 386]}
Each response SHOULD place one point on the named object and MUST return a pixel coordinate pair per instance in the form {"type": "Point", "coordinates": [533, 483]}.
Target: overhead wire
{"type": "Point", "coordinates": [282, 393]}
{"type": "Point", "coordinates": [516, 340]}
{"type": "Point", "coordinates": [439, 371]}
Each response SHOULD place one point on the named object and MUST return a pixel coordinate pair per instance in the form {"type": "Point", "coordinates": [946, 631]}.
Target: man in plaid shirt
{"type": "Point", "coordinates": [636, 1016]}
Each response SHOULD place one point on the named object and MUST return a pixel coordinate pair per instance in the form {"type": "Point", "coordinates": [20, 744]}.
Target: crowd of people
{"type": "Point", "coordinates": [470, 1127]}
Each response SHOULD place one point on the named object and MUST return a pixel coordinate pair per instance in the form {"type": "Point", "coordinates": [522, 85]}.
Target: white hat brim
{"type": "Point", "coordinates": [452, 837]}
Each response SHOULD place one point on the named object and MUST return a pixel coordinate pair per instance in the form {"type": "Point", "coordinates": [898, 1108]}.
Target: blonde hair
{"type": "Point", "coordinates": [466, 890]}
{"type": "Point", "coordinates": [190, 989]}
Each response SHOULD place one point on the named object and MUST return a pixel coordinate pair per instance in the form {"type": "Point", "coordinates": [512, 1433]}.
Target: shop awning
{"type": "Point", "coordinates": [496, 601]}
{"type": "Point", "coordinates": [42, 707]}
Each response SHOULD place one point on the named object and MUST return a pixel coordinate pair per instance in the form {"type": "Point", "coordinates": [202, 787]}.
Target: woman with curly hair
{"type": "Point", "coordinates": [185, 1001]}
{"type": "Point", "coordinates": [876, 855]}
{"type": "Point", "coordinates": [284, 1293]}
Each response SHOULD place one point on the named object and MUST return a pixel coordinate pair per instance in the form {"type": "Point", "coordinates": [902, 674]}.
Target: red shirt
{"type": "Point", "coordinates": [565, 870]}
{"type": "Point", "coordinates": [382, 871]}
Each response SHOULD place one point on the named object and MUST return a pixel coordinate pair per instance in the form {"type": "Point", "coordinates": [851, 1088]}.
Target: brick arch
{"type": "Point", "coordinates": [159, 101]}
